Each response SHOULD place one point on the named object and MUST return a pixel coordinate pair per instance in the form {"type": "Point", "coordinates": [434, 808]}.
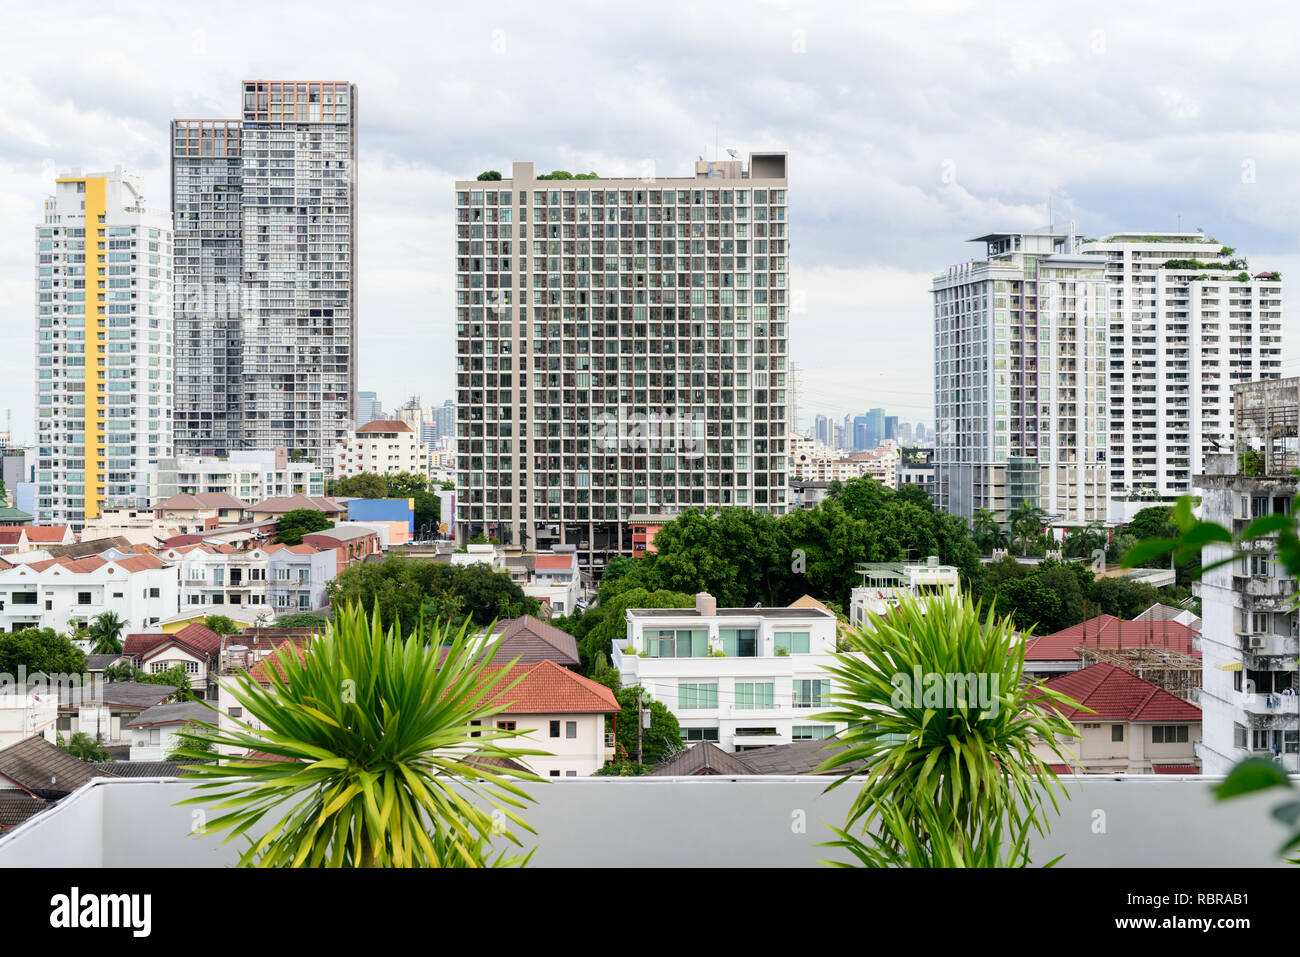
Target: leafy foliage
{"type": "Point", "coordinates": [192, 742]}
{"type": "Point", "coordinates": [368, 755]}
{"type": "Point", "coordinates": [407, 591]}
{"type": "Point", "coordinates": [83, 746]}
{"type": "Point", "coordinates": [659, 741]}
{"type": "Point", "coordinates": [222, 624]}
{"type": "Point", "coordinates": [959, 774]}
{"type": "Point", "coordinates": [293, 525]}
{"type": "Point", "coordinates": [40, 649]}
{"type": "Point", "coordinates": [106, 634]}
{"type": "Point", "coordinates": [301, 619]}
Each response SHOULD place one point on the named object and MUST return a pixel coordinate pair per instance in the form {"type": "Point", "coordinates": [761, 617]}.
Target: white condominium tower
{"type": "Point", "coordinates": [103, 346]}
{"type": "Point", "coordinates": [1020, 380]}
{"type": "Point", "coordinates": [1188, 321]}
{"type": "Point", "coordinates": [621, 351]}
{"type": "Point", "coordinates": [280, 181]}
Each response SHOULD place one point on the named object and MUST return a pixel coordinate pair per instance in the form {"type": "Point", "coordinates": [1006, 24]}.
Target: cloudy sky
{"type": "Point", "coordinates": [911, 127]}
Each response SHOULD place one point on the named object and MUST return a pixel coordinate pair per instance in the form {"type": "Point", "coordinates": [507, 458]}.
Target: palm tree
{"type": "Point", "coordinates": [987, 531]}
{"type": "Point", "coordinates": [106, 632]}
{"type": "Point", "coordinates": [951, 769]}
{"type": "Point", "coordinates": [360, 753]}
{"type": "Point", "coordinates": [1026, 522]}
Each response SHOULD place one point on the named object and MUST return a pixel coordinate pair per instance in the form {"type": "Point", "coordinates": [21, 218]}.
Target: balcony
{"type": "Point", "coordinates": [1165, 821]}
{"type": "Point", "coordinates": [1271, 704]}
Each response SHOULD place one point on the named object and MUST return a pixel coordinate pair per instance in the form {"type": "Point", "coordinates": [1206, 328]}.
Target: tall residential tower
{"type": "Point", "coordinates": [103, 346]}
{"type": "Point", "coordinates": [1188, 321]}
{"type": "Point", "coordinates": [1020, 380]}
{"type": "Point", "coordinates": [621, 351]}
{"type": "Point", "coordinates": [267, 324]}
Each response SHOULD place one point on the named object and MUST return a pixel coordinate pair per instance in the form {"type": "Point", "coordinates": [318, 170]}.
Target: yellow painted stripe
{"type": "Point", "coordinates": [96, 292]}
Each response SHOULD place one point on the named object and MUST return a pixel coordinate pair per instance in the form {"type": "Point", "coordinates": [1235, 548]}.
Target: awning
{"type": "Point", "coordinates": [1231, 666]}
{"type": "Point", "coordinates": [1175, 769]}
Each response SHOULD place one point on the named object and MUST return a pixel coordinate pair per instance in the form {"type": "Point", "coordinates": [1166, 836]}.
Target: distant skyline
{"type": "Point", "coordinates": [909, 131]}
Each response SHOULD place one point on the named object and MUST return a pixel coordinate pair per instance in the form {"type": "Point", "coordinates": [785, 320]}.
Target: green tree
{"type": "Point", "coordinates": [222, 625]}
{"type": "Point", "coordinates": [406, 484]}
{"type": "Point", "coordinates": [428, 511]}
{"type": "Point", "coordinates": [40, 649]}
{"type": "Point", "coordinates": [957, 772]}
{"type": "Point", "coordinates": [661, 740]}
{"type": "Point", "coordinates": [192, 740]}
{"type": "Point", "coordinates": [124, 672]}
{"type": "Point", "coordinates": [106, 634]}
{"type": "Point", "coordinates": [490, 175]}
{"type": "Point", "coordinates": [377, 778]}
{"type": "Point", "coordinates": [293, 525]}
{"type": "Point", "coordinates": [1027, 525]}
{"type": "Point", "coordinates": [597, 644]}
{"type": "Point", "coordinates": [174, 676]}
{"type": "Point", "coordinates": [365, 485]}
{"type": "Point", "coordinates": [301, 619]}
{"type": "Point", "coordinates": [987, 531]}
{"type": "Point", "coordinates": [83, 746]}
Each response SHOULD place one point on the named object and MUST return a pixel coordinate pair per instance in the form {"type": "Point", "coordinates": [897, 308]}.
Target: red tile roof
{"type": "Point", "coordinates": [554, 561]}
{"type": "Point", "coordinates": [1107, 631]}
{"type": "Point", "coordinates": [385, 425]}
{"type": "Point", "coordinates": [548, 688]}
{"type": "Point", "coordinates": [202, 641]}
{"type": "Point", "coordinates": [259, 671]}
{"type": "Point", "coordinates": [11, 536]}
{"type": "Point", "coordinates": [1115, 695]}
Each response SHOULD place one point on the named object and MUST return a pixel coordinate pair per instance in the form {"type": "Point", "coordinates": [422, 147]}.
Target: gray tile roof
{"type": "Point", "coordinates": [798, 757]}
{"type": "Point", "coordinates": [45, 770]}
{"type": "Point", "coordinates": [702, 758]}
{"type": "Point", "coordinates": [140, 769]}
{"type": "Point", "coordinates": [176, 713]}
{"type": "Point", "coordinates": [100, 662]}
{"type": "Point", "coordinates": [530, 639]}
{"type": "Point", "coordinates": [18, 806]}
{"type": "Point", "coordinates": [121, 694]}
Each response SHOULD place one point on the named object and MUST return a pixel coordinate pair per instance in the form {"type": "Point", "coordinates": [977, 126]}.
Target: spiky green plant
{"type": "Point", "coordinates": [948, 762]}
{"type": "Point", "coordinates": [365, 756]}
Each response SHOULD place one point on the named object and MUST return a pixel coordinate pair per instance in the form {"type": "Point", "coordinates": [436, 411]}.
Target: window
{"type": "Point", "coordinates": [23, 598]}
{"type": "Point", "coordinates": [1168, 734]}
{"type": "Point", "coordinates": [235, 712]}
{"type": "Point", "coordinates": [699, 734]}
{"type": "Point", "coordinates": [697, 696]}
{"type": "Point", "coordinates": [758, 694]}
{"type": "Point", "coordinates": [475, 724]}
{"type": "Point", "coordinates": [555, 729]}
{"type": "Point", "coordinates": [681, 643]}
{"type": "Point", "coordinates": [811, 693]}
{"type": "Point", "coordinates": [739, 642]}
{"type": "Point", "coordinates": [811, 732]}
{"type": "Point", "coordinates": [1117, 732]}
{"type": "Point", "coordinates": [793, 642]}
{"type": "Point", "coordinates": [1239, 737]}
{"type": "Point", "coordinates": [555, 774]}
{"type": "Point", "coordinates": [570, 774]}
{"type": "Point", "coordinates": [154, 592]}
{"type": "Point", "coordinates": [83, 598]}
{"type": "Point", "coordinates": [570, 729]}
{"type": "Point", "coordinates": [505, 725]}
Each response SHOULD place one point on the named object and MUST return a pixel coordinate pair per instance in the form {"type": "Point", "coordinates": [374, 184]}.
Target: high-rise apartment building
{"type": "Point", "coordinates": [267, 324]}
{"type": "Point", "coordinates": [444, 420]}
{"type": "Point", "coordinates": [621, 351]}
{"type": "Point", "coordinates": [369, 408]}
{"type": "Point", "coordinates": [1188, 321]}
{"type": "Point", "coordinates": [1020, 379]}
{"type": "Point", "coordinates": [103, 346]}
{"type": "Point", "coordinates": [822, 430]}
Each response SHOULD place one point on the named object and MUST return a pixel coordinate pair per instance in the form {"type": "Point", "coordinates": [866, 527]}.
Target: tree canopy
{"type": "Point", "coordinates": [40, 649]}
{"type": "Point", "coordinates": [292, 526]}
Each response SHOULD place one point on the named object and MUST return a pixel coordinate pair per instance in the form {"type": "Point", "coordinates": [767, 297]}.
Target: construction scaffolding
{"type": "Point", "coordinates": [1173, 671]}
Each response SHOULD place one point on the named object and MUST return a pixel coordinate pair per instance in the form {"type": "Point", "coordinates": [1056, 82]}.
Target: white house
{"type": "Point", "coordinates": [140, 589]}
{"type": "Point", "coordinates": [885, 584]}
{"type": "Point", "coordinates": [556, 580]}
{"type": "Point", "coordinates": [272, 578]}
{"type": "Point", "coordinates": [26, 708]}
{"type": "Point", "coordinates": [195, 649]}
{"type": "Point", "coordinates": [481, 555]}
{"type": "Point", "coordinates": [741, 677]}
{"type": "Point", "coordinates": [384, 447]}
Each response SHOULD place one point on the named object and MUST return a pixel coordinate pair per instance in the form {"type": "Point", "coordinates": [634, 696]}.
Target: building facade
{"type": "Point", "coordinates": [621, 347]}
{"type": "Point", "coordinates": [386, 447]}
{"type": "Point", "coordinates": [1020, 380]}
{"type": "Point", "coordinates": [1187, 323]}
{"type": "Point", "coordinates": [268, 204]}
{"type": "Point", "coordinates": [1250, 632]}
{"type": "Point", "coordinates": [103, 346]}
{"type": "Point", "coordinates": [250, 475]}
{"type": "Point", "coordinates": [739, 677]}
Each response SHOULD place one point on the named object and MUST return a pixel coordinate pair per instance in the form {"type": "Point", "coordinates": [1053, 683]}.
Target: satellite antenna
{"type": "Point", "coordinates": [732, 153]}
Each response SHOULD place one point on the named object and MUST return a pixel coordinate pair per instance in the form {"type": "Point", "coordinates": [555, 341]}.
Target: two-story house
{"type": "Point", "coordinates": [140, 589]}
{"type": "Point", "coordinates": [740, 677]}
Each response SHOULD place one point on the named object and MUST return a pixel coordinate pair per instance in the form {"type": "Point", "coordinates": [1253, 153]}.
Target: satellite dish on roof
{"type": "Point", "coordinates": [733, 154]}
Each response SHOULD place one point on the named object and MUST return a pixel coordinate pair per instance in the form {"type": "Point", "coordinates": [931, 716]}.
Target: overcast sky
{"type": "Point", "coordinates": [911, 127]}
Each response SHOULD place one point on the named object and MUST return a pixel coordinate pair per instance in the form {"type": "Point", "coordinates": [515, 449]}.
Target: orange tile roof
{"type": "Point", "coordinates": [385, 425]}
{"type": "Point", "coordinates": [11, 536]}
{"type": "Point", "coordinates": [259, 671]}
{"type": "Point", "coordinates": [548, 688]}
{"type": "Point", "coordinates": [46, 533]}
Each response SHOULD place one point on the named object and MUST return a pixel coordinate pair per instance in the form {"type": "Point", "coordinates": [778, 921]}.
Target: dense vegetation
{"type": "Point", "coordinates": [292, 526]}
{"type": "Point", "coordinates": [409, 591]}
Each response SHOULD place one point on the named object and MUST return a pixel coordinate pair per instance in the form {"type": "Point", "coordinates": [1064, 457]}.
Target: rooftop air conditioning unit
{"type": "Point", "coordinates": [1257, 641]}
